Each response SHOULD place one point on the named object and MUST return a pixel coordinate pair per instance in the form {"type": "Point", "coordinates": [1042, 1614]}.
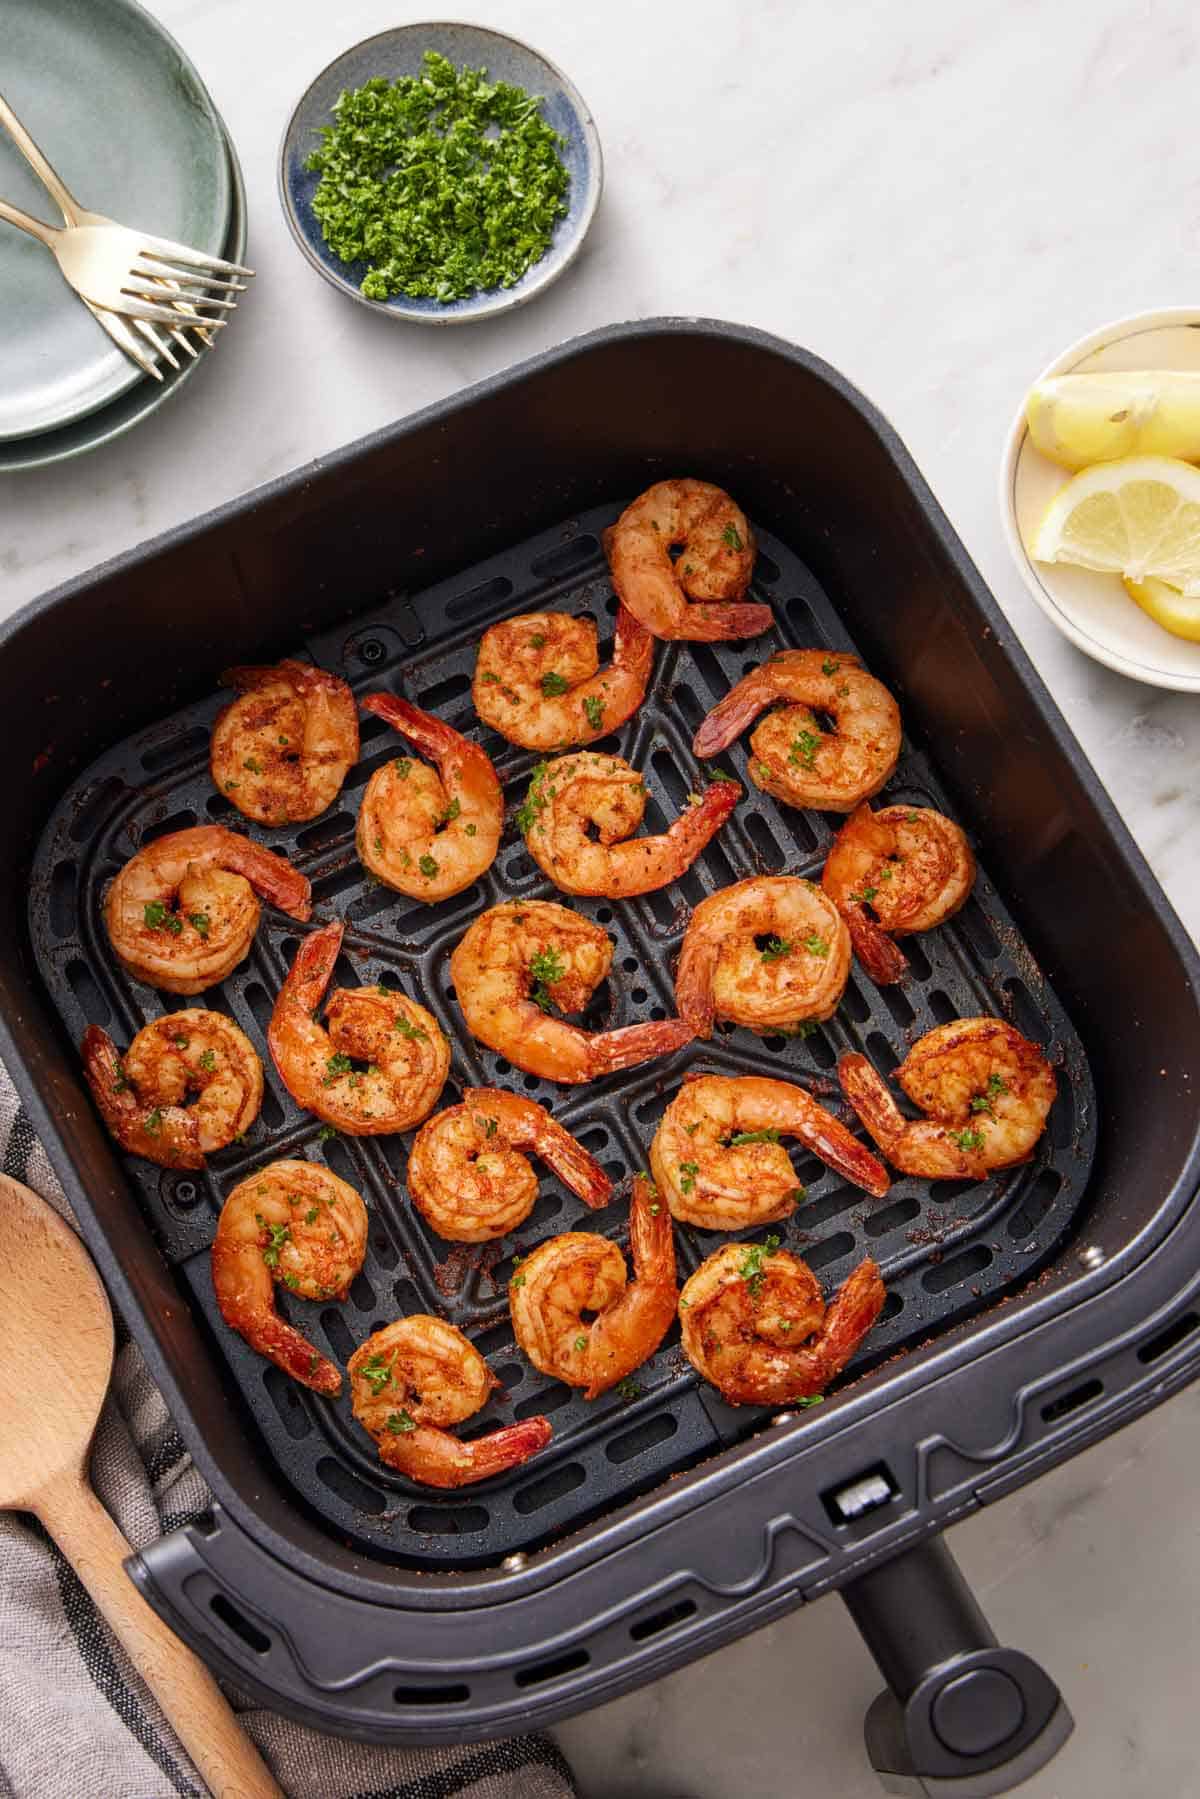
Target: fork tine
{"type": "Point", "coordinates": [154, 336]}
{"type": "Point", "coordinates": [153, 291]}
{"type": "Point", "coordinates": [160, 271]}
{"type": "Point", "coordinates": [165, 248]}
{"type": "Point", "coordinates": [124, 339]}
{"type": "Point", "coordinates": [190, 321]}
{"type": "Point", "coordinates": [134, 308]}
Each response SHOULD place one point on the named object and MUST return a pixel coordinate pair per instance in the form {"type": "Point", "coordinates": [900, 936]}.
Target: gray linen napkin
{"type": "Point", "coordinates": [76, 1721]}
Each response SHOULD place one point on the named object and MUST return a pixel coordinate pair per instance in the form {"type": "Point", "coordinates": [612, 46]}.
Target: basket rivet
{"type": "Point", "coordinates": [1093, 1256]}
{"type": "Point", "coordinates": [371, 650]}
{"type": "Point", "coordinates": [512, 1564]}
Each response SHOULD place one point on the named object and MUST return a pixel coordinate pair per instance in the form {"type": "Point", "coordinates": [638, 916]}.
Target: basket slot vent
{"type": "Point", "coordinates": [800, 614]}
{"type": "Point", "coordinates": [287, 1402]}
{"type": "Point", "coordinates": [63, 899]}
{"type": "Point", "coordinates": [362, 1293]}
{"type": "Point", "coordinates": [770, 855]}
{"type": "Point", "coordinates": [881, 1051]}
{"type": "Point", "coordinates": [1176, 1333]}
{"type": "Point", "coordinates": [442, 692]}
{"type": "Point", "coordinates": [87, 991]}
{"type": "Point", "coordinates": [178, 821]}
{"type": "Point", "coordinates": [979, 934]}
{"type": "Point", "coordinates": [1072, 1400]}
{"type": "Point", "coordinates": [956, 1269]}
{"type": "Point", "coordinates": [347, 1486]}
{"type": "Point", "coordinates": [336, 829]}
{"type": "Point", "coordinates": [667, 1619]}
{"type": "Point", "coordinates": [831, 1249]}
{"type": "Point", "coordinates": [93, 808]}
{"type": "Point", "coordinates": [556, 1485]}
{"type": "Point", "coordinates": [487, 593]}
{"type": "Point", "coordinates": [896, 1003]}
{"type": "Point", "coordinates": [892, 1218]}
{"type": "Point", "coordinates": [541, 1672]}
{"type": "Point", "coordinates": [176, 751]}
{"type": "Point", "coordinates": [454, 1694]}
{"type": "Point", "coordinates": [577, 554]}
{"type": "Point", "coordinates": [765, 571]}
{"type": "Point", "coordinates": [448, 1520]}
{"type": "Point", "coordinates": [1025, 1015]}
{"type": "Point", "coordinates": [239, 1624]}
{"type": "Point", "coordinates": [855, 1003]}
{"type": "Point", "coordinates": [646, 1435]}
{"type": "Point", "coordinates": [340, 1338]}
{"type": "Point", "coordinates": [550, 1399]}
{"type": "Point", "coordinates": [813, 1212]}
{"type": "Point", "coordinates": [1037, 1202]}
{"type": "Point", "coordinates": [942, 1006]}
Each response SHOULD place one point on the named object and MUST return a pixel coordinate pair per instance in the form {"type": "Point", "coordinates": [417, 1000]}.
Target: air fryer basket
{"type": "Point", "coordinates": [334, 1588]}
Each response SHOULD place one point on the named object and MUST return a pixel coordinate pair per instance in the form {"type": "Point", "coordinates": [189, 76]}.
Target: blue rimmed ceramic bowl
{"type": "Point", "coordinates": [399, 52]}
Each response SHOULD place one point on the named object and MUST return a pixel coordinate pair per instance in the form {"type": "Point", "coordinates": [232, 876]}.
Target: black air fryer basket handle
{"type": "Point", "coordinates": [962, 1718]}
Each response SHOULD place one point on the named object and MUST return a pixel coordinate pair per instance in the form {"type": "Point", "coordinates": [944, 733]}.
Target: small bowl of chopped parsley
{"type": "Point", "coordinates": [440, 173]}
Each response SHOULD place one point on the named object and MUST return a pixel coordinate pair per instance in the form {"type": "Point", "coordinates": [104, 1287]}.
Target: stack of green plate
{"type": "Point", "coordinates": [127, 122]}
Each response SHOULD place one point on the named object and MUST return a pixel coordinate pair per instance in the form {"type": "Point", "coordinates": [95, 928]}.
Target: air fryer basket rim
{"type": "Point", "coordinates": [1079, 1318]}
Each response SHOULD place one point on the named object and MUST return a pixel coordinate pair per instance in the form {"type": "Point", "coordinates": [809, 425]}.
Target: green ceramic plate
{"type": "Point", "coordinates": [128, 124]}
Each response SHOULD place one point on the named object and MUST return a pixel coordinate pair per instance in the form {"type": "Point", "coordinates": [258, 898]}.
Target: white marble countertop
{"type": "Point", "coordinates": [936, 198]}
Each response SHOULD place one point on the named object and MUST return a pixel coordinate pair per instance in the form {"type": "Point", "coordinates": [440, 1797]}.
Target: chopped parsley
{"type": "Point", "coordinates": [312, 1214]}
{"type": "Point", "coordinates": [775, 948]}
{"type": "Point", "coordinates": [804, 749]}
{"type": "Point", "coordinates": [535, 800]}
{"type": "Point", "coordinates": [829, 666]}
{"type": "Point", "coordinates": [594, 707]}
{"type": "Point", "coordinates": [470, 830]}
{"type": "Point", "coordinates": [546, 968]}
{"type": "Point", "coordinates": [402, 766]}
{"type": "Point", "coordinates": [208, 1061]}
{"type": "Point", "coordinates": [982, 1102]}
{"type": "Point", "coordinates": [866, 896]}
{"type": "Point", "coordinates": [335, 1066]}
{"type": "Point", "coordinates": [451, 813]}
{"type": "Point", "coordinates": [400, 1423]}
{"type": "Point", "coordinates": [720, 774]}
{"type": "Point", "coordinates": [200, 922]}
{"type": "Point", "coordinates": [581, 1342]}
{"type": "Point", "coordinates": [629, 1389]}
{"type": "Point", "coordinates": [816, 946]}
{"type": "Point", "coordinates": [687, 1176]}
{"type": "Point", "coordinates": [488, 1125]}
{"type": "Point", "coordinates": [376, 1372]}
{"type": "Point", "coordinates": [427, 866]}
{"type": "Point", "coordinates": [538, 640]}
{"type": "Point", "coordinates": [154, 1122]}
{"type": "Point", "coordinates": [732, 536]}
{"type": "Point", "coordinates": [813, 1399]}
{"type": "Point", "coordinates": [553, 684]}
{"type": "Point", "coordinates": [279, 1235]}
{"type": "Point", "coordinates": [767, 1136]}
{"type": "Point", "coordinates": [488, 677]}
{"type": "Point", "coordinates": [967, 1139]}
{"type": "Point", "coordinates": [326, 1132]}
{"type": "Point", "coordinates": [159, 918]}
{"type": "Point", "coordinates": [444, 183]}
{"type": "Point", "coordinates": [181, 1042]}
{"type": "Point", "coordinates": [752, 1269]}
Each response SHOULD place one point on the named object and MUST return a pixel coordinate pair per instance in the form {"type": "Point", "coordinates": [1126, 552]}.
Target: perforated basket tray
{"type": "Point", "coordinates": [945, 1249]}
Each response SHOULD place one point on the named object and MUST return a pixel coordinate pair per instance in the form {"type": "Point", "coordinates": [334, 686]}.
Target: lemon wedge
{"type": "Point", "coordinates": [1167, 607]}
{"type": "Point", "coordinates": [1080, 419]}
{"type": "Point", "coordinates": [1137, 517]}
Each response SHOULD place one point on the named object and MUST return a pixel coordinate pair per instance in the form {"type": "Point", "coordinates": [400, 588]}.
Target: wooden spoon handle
{"type": "Point", "coordinates": [227, 1760]}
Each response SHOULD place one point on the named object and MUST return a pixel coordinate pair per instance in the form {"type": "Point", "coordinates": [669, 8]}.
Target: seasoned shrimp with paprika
{"type": "Point", "coordinates": [718, 1160]}
{"type": "Point", "coordinates": [538, 679]}
{"type": "Point", "coordinates": [403, 1054]}
{"type": "Point", "coordinates": [893, 872]}
{"type": "Point", "coordinates": [469, 1172]}
{"type": "Point", "coordinates": [297, 1223]}
{"type": "Point", "coordinates": [986, 1092]}
{"type": "Point", "coordinates": [520, 965]}
{"type": "Point", "coordinates": [794, 755]}
{"type": "Point", "coordinates": [282, 748]}
{"type": "Point", "coordinates": [429, 831]}
{"type": "Point", "coordinates": [770, 953]}
{"type": "Point", "coordinates": [183, 911]}
{"type": "Point", "coordinates": [578, 1273]}
{"type": "Point", "coordinates": [413, 1379]}
{"type": "Point", "coordinates": [755, 1323]}
{"type": "Point", "coordinates": [697, 593]}
{"type": "Point", "coordinates": [579, 819]}
{"type": "Point", "coordinates": [188, 1084]}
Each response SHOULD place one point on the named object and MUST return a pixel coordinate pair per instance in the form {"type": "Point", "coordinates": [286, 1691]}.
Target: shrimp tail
{"type": "Point", "coordinates": [172, 1140]}
{"type": "Point", "coordinates": [430, 734]}
{"type": "Point", "coordinates": [840, 1150]}
{"type": "Point", "coordinates": [438, 1459]}
{"type": "Point", "coordinates": [694, 984]}
{"type": "Point", "coordinates": [272, 876]}
{"type": "Point", "coordinates": [282, 1344]}
{"type": "Point", "coordinates": [879, 954]}
{"type": "Point", "coordinates": [733, 714]}
{"type": "Point", "coordinates": [723, 621]}
{"type": "Point", "coordinates": [699, 824]}
{"type": "Point", "coordinates": [575, 1167]}
{"type": "Point", "coordinates": [853, 1311]}
{"type": "Point", "coordinates": [633, 647]}
{"type": "Point", "coordinates": [616, 1344]}
{"type": "Point", "coordinates": [608, 1051]}
{"type": "Point", "coordinates": [312, 970]}
{"type": "Point", "coordinates": [870, 1098]}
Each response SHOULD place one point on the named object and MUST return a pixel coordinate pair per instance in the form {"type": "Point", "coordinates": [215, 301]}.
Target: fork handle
{"type": "Point", "coordinates": [25, 221]}
{"type": "Point", "coordinates": [67, 204]}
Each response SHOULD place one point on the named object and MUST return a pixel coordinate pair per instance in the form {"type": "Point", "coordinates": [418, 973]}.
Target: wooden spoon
{"type": "Point", "coordinates": [57, 1332]}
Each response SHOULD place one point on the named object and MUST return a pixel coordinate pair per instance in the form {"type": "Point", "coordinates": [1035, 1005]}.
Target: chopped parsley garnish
{"type": "Point", "coordinates": [120, 1080]}
{"type": "Point", "coordinates": [312, 1214]}
{"type": "Point", "coordinates": [813, 1399]}
{"type": "Point", "coordinates": [816, 946]}
{"type": "Point", "coordinates": [427, 866]}
{"type": "Point", "coordinates": [553, 684]}
{"type": "Point", "coordinates": [518, 1280]}
{"type": "Point", "coordinates": [983, 1101]}
{"type": "Point", "coordinates": [775, 948]}
{"type": "Point", "coordinates": [629, 1389]}
{"type": "Point", "coordinates": [546, 968]}
{"type": "Point", "coordinates": [538, 640]}
{"type": "Point", "coordinates": [444, 182]}
{"type": "Point", "coordinates": [378, 845]}
{"type": "Point", "coordinates": [208, 1061]}
{"type": "Point", "coordinates": [866, 896]}
{"type": "Point", "coordinates": [470, 830]}
{"type": "Point", "coordinates": [376, 1372]}
{"type": "Point", "coordinates": [326, 1132]}
{"type": "Point", "coordinates": [655, 1209]}
{"type": "Point", "coordinates": [279, 1235]}
{"type": "Point", "coordinates": [720, 774]}
{"type": "Point", "coordinates": [400, 1423]}
{"type": "Point", "coordinates": [732, 536]}
{"type": "Point", "coordinates": [767, 1136]}
{"type": "Point", "coordinates": [488, 1125]}
{"type": "Point", "coordinates": [154, 1122]}
{"type": "Point", "coordinates": [451, 813]}
{"type": "Point", "coordinates": [181, 1042]}
{"type": "Point", "coordinates": [687, 1176]}
{"type": "Point", "coordinates": [829, 667]}
{"type": "Point", "coordinates": [594, 707]}
{"type": "Point", "coordinates": [804, 749]}
{"type": "Point", "coordinates": [200, 922]}
{"type": "Point", "coordinates": [752, 1270]}
{"type": "Point", "coordinates": [253, 764]}
{"type": "Point", "coordinates": [402, 766]}
{"type": "Point", "coordinates": [335, 1066]}
{"type": "Point", "coordinates": [967, 1139]}
{"type": "Point", "coordinates": [290, 1280]}
{"type": "Point", "coordinates": [159, 918]}
{"type": "Point", "coordinates": [581, 1342]}
{"type": "Point", "coordinates": [535, 800]}
{"type": "Point", "coordinates": [491, 679]}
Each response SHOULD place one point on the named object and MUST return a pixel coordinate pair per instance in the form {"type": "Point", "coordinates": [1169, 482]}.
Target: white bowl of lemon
{"type": "Point", "coordinates": [1100, 495]}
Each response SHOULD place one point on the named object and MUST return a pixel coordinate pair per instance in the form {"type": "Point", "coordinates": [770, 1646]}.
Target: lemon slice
{"type": "Point", "coordinates": [1081, 419]}
{"type": "Point", "coordinates": [1136, 517]}
{"type": "Point", "coordinates": [1167, 607]}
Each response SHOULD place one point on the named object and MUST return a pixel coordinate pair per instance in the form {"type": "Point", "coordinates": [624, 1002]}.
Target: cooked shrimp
{"type": "Point", "coordinates": [470, 1177]}
{"type": "Point", "coordinates": [698, 596]}
{"type": "Point", "coordinates": [294, 1222]}
{"type": "Point", "coordinates": [755, 1324]}
{"type": "Point", "coordinates": [718, 1161]}
{"type": "Point", "coordinates": [578, 1272]}
{"type": "Point", "coordinates": [282, 749]}
{"type": "Point", "coordinates": [794, 756]}
{"type": "Point", "coordinates": [767, 953]}
{"type": "Point", "coordinates": [986, 1092]}
{"type": "Point", "coordinates": [892, 872]}
{"type": "Point", "coordinates": [182, 913]}
{"type": "Point", "coordinates": [575, 795]}
{"type": "Point", "coordinates": [413, 1378]}
{"type": "Point", "coordinates": [538, 679]}
{"type": "Point", "coordinates": [429, 832]}
{"type": "Point", "coordinates": [406, 1058]}
{"type": "Point", "coordinates": [189, 1084]}
{"type": "Point", "coordinates": [517, 963]}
